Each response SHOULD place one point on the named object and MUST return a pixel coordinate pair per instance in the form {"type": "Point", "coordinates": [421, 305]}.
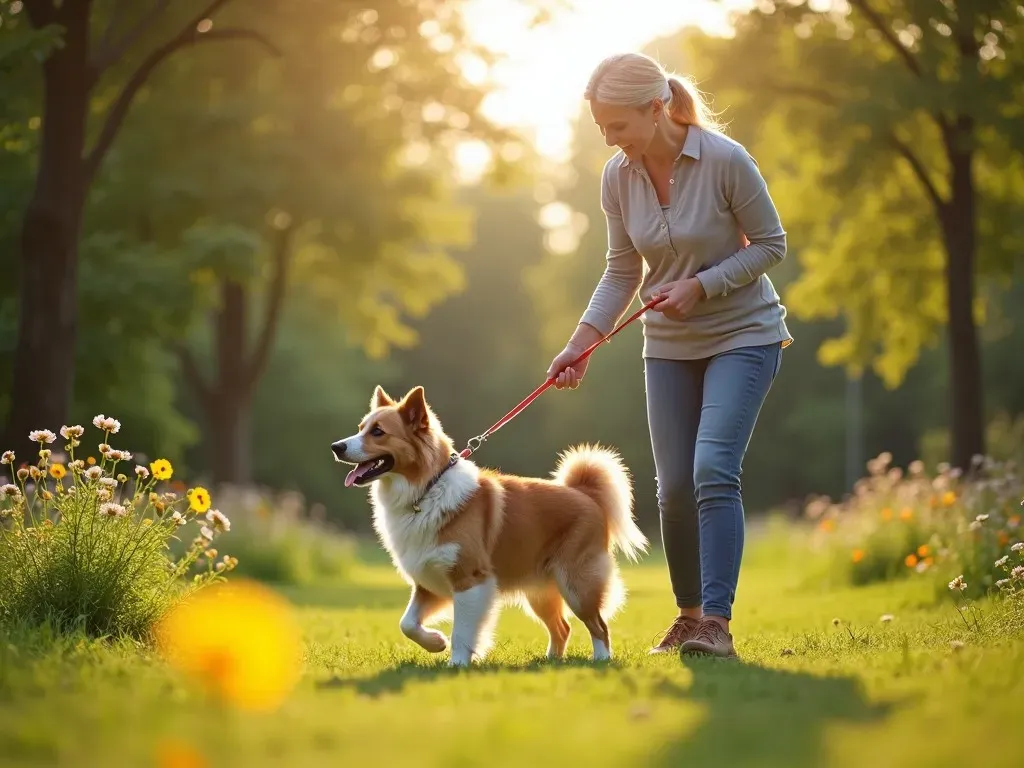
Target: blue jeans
{"type": "Point", "coordinates": [701, 415]}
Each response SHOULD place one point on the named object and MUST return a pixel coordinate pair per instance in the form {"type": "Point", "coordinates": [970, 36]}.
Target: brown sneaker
{"type": "Point", "coordinates": [710, 638]}
{"type": "Point", "coordinates": [682, 629]}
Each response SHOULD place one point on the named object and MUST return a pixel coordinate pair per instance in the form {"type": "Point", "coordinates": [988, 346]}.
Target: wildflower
{"type": "Point", "coordinates": [91, 460]}
{"type": "Point", "coordinates": [240, 640]}
{"type": "Point", "coordinates": [949, 498]}
{"type": "Point", "coordinates": [1002, 561]}
{"type": "Point", "coordinates": [175, 754]}
{"type": "Point", "coordinates": [827, 525]}
{"type": "Point", "coordinates": [210, 553]}
{"type": "Point", "coordinates": [177, 518]}
{"type": "Point", "coordinates": [34, 473]}
{"type": "Point", "coordinates": [103, 494]}
{"type": "Point", "coordinates": [41, 436]}
{"type": "Point", "coordinates": [162, 469]}
{"type": "Point", "coordinates": [906, 513]}
{"type": "Point", "coordinates": [58, 471]}
{"type": "Point", "coordinates": [45, 454]}
{"type": "Point", "coordinates": [1003, 538]}
{"type": "Point", "coordinates": [219, 520]}
{"type": "Point", "coordinates": [857, 555]}
{"type": "Point", "coordinates": [1017, 547]}
{"type": "Point", "coordinates": [958, 584]}
{"type": "Point", "coordinates": [1003, 583]}
{"type": "Point", "coordinates": [77, 465]}
{"type": "Point", "coordinates": [975, 525]}
{"type": "Point", "coordinates": [115, 455]}
{"type": "Point", "coordinates": [910, 560]}
{"type": "Point", "coordinates": [109, 482]}
{"type": "Point", "coordinates": [206, 534]}
{"type": "Point", "coordinates": [142, 472]}
{"type": "Point", "coordinates": [1017, 573]}
{"type": "Point", "coordinates": [981, 518]}
{"type": "Point", "coordinates": [93, 473]}
{"type": "Point", "coordinates": [10, 491]}
{"type": "Point", "coordinates": [71, 433]}
{"type": "Point", "coordinates": [956, 645]}
{"type": "Point", "coordinates": [886, 618]}
{"type": "Point", "coordinates": [923, 550]}
{"type": "Point", "coordinates": [7, 458]}
{"type": "Point", "coordinates": [104, 449]}
{"type": "Point", "coordinates": [23, 473]}
{"type": "Point", "coordinates": [107, 424]}
{"type": "Point", "coordinates": [1013, 521]}
{"type": "Point", "coordinates": [47, 496]}
{"type": "Point", "coordinates": [887, 514]}
{"type": "Point", "coordinates": [122, 477]}
{"type": "Point", "coordinates": [112, 510]}
{"type": "Point", "coordinates": [199, 500]}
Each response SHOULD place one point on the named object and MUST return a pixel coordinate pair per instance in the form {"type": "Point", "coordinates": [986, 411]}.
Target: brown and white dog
{"type": "Point", "coordinates": [467, 538]}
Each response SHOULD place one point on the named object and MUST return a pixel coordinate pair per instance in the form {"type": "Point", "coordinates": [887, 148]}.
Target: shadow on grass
{"type": "Point", "coordinates": [394, 679]}
{"type": "Point", "coordinates": [760, 716]}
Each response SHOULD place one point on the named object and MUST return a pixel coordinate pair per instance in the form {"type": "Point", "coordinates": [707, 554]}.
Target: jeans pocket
{"type": "Point", "coordinates": [778, 360]}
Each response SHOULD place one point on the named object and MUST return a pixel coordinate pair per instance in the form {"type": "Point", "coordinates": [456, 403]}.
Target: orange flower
{"type": "Point", "coordinates": [1004, 538]}
{"type": "Point", "coordinates": [176, 754]}
{"type": "Point", "coordinates": [906, 513]}
{"type": "Point", "coordinates": [928, 561]}
{"type": "Point", "coordinates": [949, 498]}
{"type": "Point", "coordinates": [910, 560]}
{"type": "Point", "coordinates": [828, 524]}
{"type": "Point", "coordinates": [887, 514]}
{"type": "Point", "coordinates": [858, 555]}
{"type": "Point", "coordinates": [923, 550]}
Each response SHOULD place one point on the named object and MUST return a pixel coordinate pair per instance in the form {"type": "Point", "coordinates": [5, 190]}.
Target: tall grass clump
{"type": "Point", "coordinates": [84, 545]}
{"type": "Point", "coordinates": [914, 524]}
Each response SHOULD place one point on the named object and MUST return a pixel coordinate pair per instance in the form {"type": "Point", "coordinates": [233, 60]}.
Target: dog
{"type": "Point", "coordinates": [467, 538]}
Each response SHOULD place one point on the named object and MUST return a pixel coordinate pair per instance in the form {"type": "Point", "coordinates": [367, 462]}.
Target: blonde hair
{"type": "Point", "coordinates": [635, 80]}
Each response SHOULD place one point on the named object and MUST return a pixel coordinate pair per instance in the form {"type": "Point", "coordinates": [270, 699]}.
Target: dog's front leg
{"type": "Point", "coordinates": [424, 604]}
{"type": "Point", "coordinates": [474, 614]}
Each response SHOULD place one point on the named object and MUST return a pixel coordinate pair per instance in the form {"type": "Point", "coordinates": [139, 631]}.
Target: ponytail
{"type": "Point", "coordinates": [687, 107]}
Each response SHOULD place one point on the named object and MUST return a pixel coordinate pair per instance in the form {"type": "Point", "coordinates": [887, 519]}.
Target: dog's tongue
{"type": "Point", "coordinates": [356, 473]}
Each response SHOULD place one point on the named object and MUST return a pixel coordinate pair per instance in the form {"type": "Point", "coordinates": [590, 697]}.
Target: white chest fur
{"type": "Point", "coordinates": [410, 537]}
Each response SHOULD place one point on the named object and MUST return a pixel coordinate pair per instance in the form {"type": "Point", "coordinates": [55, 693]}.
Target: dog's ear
{"type": "Point", "coordinates": [414, 409]}
{"type": "Point", "coordinates": [380, 398]}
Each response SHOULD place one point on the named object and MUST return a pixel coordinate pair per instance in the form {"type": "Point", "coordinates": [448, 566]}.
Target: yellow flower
{"type": "Point", "coordinates": [858, 555]}
{"type": "Point", "coordinates": [162, 469]}
{"type": "Point", "coordinates": [910, 560]}
{"type": "Point", "coordinates": [199, 500]}
{"type": "Point", "coordinates": [949, 498]}
{"type": "Point", "coordinates": [176, 754]}
{"type": "Point", "coordinates": [906, 513]}
{"type": "Point", "coordinates": [58, 471]}
{"type": "Point", "coordinates": [887, 514]}
{"type": "Point", "coordinates": [240, 640]}
{"type": "Point", "coordinates": [922, 551]}
{"type": "Point", "coordinates": [91, 460]}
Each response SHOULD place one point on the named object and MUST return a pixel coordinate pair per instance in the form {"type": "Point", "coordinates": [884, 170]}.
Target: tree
{"type": "Point", "coordinates": [67, 163]}
{"type": "Point", "coordinates": [904, 118]}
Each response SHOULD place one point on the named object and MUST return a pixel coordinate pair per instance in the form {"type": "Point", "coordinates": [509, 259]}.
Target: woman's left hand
{"type": "Point", "coordinates": [680, 297]}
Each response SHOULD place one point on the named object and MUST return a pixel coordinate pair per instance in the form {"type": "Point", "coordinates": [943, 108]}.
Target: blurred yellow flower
{"type": "Point", "coordinates": [91, 460]}
{"type": "Point", "coordinates": [910, 560]}
{"type": "Point", "coordinates": [906, 513]}
{"type": "Point", "coordinates": [949, 498]}
{"type": "Point", "coordinates": [177, 754]}
{"type": "Point", "coordinates": [827, 524]}
{"type": "Point", "coordinates": [199, 499]}
{"type": "Point", "coordinates": [887, 514]}
{"type": "Point", "coordinates": [58, 471]}
{"type": "Point", "coordinates": [162, 469]}
{"type": "Point", "coordinates": [858, 555]}
{"type": "Point", "coordinates": [923, 550]}
{"type": "Point", "coordinates": [240, 640]}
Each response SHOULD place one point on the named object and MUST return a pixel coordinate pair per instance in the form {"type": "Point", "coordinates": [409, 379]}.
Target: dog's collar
{"type": "Point", "coordinates": [433, 481]}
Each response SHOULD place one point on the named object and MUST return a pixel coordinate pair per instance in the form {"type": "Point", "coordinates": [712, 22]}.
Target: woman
{"type": "Point", "coordinates": [692, 204]}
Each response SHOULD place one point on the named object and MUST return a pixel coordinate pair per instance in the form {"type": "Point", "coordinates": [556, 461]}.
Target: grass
{"type": "Point", "coordinates": [806, 692]}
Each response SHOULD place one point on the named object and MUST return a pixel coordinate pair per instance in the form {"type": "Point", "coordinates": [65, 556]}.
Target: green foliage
{"type": "Point", "coordinates": [85, 546]}
{"type": "Point", "coordinates": [805, 87]}
{"type": "Point", "coordinates": [900, 525]}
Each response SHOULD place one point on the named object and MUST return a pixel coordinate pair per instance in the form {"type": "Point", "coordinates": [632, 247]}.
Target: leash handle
{"type": "Point", "coordinates": [475, 442]}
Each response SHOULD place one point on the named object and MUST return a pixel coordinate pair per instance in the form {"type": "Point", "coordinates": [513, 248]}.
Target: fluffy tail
{"type": "Point", "coordinates": [600, 473]}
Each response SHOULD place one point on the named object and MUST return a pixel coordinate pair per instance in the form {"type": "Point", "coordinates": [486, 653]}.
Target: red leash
{"type": "Point", "coordinates": [476, 442]}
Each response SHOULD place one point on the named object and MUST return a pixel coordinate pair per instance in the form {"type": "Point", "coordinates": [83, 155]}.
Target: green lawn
{"type": "Point", "coordinates": [894, 693]}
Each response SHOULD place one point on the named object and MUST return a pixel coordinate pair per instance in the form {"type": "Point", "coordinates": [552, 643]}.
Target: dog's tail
{"type": "Point", "coordinates": [600, 473]}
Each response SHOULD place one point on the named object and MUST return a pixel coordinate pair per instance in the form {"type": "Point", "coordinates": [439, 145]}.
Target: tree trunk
{"type": "Point", "coordinates": [230, 398]}
{"type": "Point", "coordinates": [960, 235]}
{"type": "Point", "coordinates": [44, 356]}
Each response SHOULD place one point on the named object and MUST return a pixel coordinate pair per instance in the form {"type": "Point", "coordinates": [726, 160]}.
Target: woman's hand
{"type": "Point", "coordinates": [566, 377]}
{"type": "Point", "coordinates": [680, 297]}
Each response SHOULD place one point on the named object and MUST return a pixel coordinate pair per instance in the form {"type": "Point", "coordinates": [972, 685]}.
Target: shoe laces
{"type": "Point", "coordinates": [679, 626]}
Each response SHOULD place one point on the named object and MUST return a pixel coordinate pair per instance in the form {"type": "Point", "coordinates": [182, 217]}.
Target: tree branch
{"type": "Point", "coordinates": [190, 35]}
{"type": "Point", "coordinates": [879, 23]}
{"type": "Point", "coordinates": [192, 374]}
{"type": "Point", "coordinates": [278, 283]}
{"type": "Point", "coordinates": [41, 13]}
{"type": "Point", "coordinates": [110, 51]}
{"type": "Point", "coordinates": [920, 171]}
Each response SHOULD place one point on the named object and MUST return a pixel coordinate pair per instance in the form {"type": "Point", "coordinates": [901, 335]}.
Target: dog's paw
{"type": "Point", "coordinates": [435, 642]}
